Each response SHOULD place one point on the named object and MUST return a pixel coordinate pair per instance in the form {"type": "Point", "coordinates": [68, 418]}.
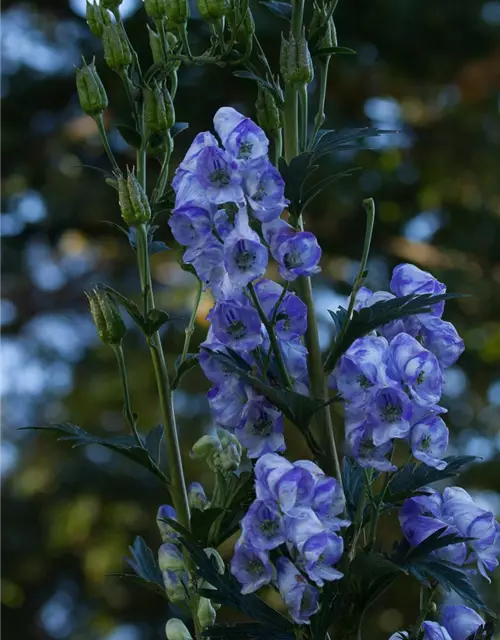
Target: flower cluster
{"type": "Point", "coordinates": [455, 513]}
{"type": "Point", "coordinates": [297, 505]}
{"type": "Point", "coordinates": [227, 214]}
{"type": "Point", "coordinates": [458, 623]}
{"type": "Point", "coordinates": [392, 379]}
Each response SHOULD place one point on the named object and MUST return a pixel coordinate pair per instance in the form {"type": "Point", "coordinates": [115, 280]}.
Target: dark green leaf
{"type": "Point", "coordinates": [155, 320]}
{"type": "Point", "coordinates": [130, 307]}
{"type": "Point", "coordinates": [339, 318]}
{"type": "Point", "coordinates": [321, 185]}
{"type": "Point", "coordinates": [125, 445]}
{"type": "Point", "coordinates": [331, 140]}
{"type": "Point", "coordinates": [368, 319]}
{"type": "Point", "coordinates": [248, 75]}
{"type": "Point", "coordinates": [178, 127]}
{"type": "Point", "coordinates": [245, 631]}
{"type": "Point", "coordinates": [151, 586]}
{"type": "Point", "coordinates": [280, 9]}
{"type": "Point", "coordinates": [118, 227]}
{"type": "Point", "coordinates": [190, 361]}
{"type": "Point", "coordinates": [130, 135]}
{"type": "Point", "coordinates": [437, 540]}
{"type": "Point", "coordinates": [144, 563]}
{"type": "Point", "coordinates": [157, 246]}
{"type": "Point", "coordinates": [414, 476]}
{"type": "Point", "coordinates": [201, 521]}
{"type": "Point", "coordinates": [353, 480]}
{"type": "Point", "coordinates": [153, 443]}
{"type": "Point", "coordinates": [333, 50]}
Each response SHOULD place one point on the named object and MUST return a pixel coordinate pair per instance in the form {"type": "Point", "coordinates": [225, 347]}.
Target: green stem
{"type": "Point", "coordinates": [190, 328]}
{"type": "Point", "coordinates": [161, 184]}
{"type": "Point", "coordinates": [272, 336]}
{"type": "Point", "coordinates": [360, 514]}
{"type": "Point", "coordinates": [105, 142]}
{"type": "Point", "coordinates": [291, 123]}
{"type": "Point", "coordinates": [303, 116]}
{"type": "Point", "coordinates": [127, 409]}
{"type": "Point", "coordinates": [278, 146]}
{"type": "Point", "coordinates": [323, 82]}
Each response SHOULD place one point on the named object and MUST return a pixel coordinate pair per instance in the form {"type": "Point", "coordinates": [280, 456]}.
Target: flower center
{"type": "Point", "coordinates": [237, 329]}
{"type": "Point", "coordinates": [245, 259]}
{"type": "Point", "coordinates": [391, 412]}
{"type": "Point", "coordinates": [426, 442]}
{"type": "Point", "coordinates": [255, 567]}
{"type": "Point", "coordinates": [219, 178]}
{"type": "Point", "coordinates": [262, 427]}
{"type": "Point", "coordinates": [292, 260]}
{"type": "Point", "coordinates": [363, 382]}
{"type": "Point", "coordinates": [245, 150]}
{"type": "Point", "coordinates": [269, 527]}
{"type": "Point", "coordinates": [420, 377]}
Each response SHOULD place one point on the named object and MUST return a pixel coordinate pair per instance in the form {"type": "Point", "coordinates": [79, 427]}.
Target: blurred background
{"type": "Point", "coordinates": [430, 70]}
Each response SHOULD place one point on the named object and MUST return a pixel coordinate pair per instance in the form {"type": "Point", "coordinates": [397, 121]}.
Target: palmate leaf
{"type": "Point", "coordinates": [368, 319]}
{"type": "Point", "coordinates": [146, 568]}
{"type": "Point", "coordinates": [331, 140]}
{"type": "Point", "coordinates": [124, 445]}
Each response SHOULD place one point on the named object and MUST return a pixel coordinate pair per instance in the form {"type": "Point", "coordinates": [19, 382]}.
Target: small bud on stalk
{"type": "Point", "coordinates": [268, 114]}
{"type": "Point", "coordinates": [328, 38]}
{"type": "Point", "coordinates": [230, 457]}
{"type": "Point", "coordinates": [159, 113]}
{"type": "Point", "coordinates": [97, 18]}
{"type": "Point", "coordinates": [117, 51]}
{"type": "Point", "coordinates": [177, 12]}
{"type": "Point", "coordinates": [133, 201]}
{"type": "Point", "coordinates": [211, 10]}
{"type": "Point", "coordinates": [197, 497]}
{"type": "Point", "coordinates": [91, 92]}
{"type": "Point", "coordinates": [106, 317]}
{"type": "Point", "coordinates": [206, 613]}
{"type": "Point", "coordinates": [168, 533]}
{"type": "Point", "coordinates": [177, 630]}
{"type": "Point", "coordinates": [170, 558]}
{"type": "Point", "coordinates": [295, 61]}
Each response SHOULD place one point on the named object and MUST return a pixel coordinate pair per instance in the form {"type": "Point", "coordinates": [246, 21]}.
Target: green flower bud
{"type": "Point", "coordinates": [205, 613]}
{"type": "Point", "coordinates": [159, 113]}
{"type": "Point", "coordinates": [91, 92]}
{"type": "Point", "coordinates": [117, 51]}
{"type": "Point", "coordinates": [111, 4]}
{"type": "Point", "coordinates": [156, 9]}
{"type": "Point", "coordinates": [177, 12]}
{"type": "Point", "coordinates": [211, 10]}
{"type": "Point", "coordinates": [197, 497]}
{"type": "Point", "coordinates": [155, 46]}
{"type": "Point", "coordinates": [97, 18]}
{"type": "Point", "coordinates": [170, 558]}
{"type": "Point", "coordinates": [133, 201]}
{"type": "Point", "coordinates": [204, 447]}
{"type": "Point", "coordinates": [268, 113]}
{"type": "Point", "coordinates": [106, 317]}
{"type": "Point", "coordinates": [177, 630]}
{"type": "Point", "coordinates": [329, 37]}
{"type": "Point", "coordinates": [230, 457]}
{"type": "Point", "coordinates": [295, 61]}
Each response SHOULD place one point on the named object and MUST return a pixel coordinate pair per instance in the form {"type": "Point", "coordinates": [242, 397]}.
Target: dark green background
{"type": "Point", "coordinates": [429, 69]}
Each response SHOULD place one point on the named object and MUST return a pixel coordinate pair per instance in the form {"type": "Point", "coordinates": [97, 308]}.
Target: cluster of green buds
{"type": "Point", "coordinates": [176, 12]}
{"type": "Point", "coordinates": [268, 113]}
{"type": "Point", "coordinates": [222, 452]}
{"type": "Point", "coordinates": [295, 60]}
{"type": "Point", "coordinates": [320, 21]}
{"type": "Point", "coordinates": [107, 319]}
{"type": "Point", "coordinates": [91, 92]}
{"type": "Point", "coordinates": [212, 10]}
{"type": "Point", "coordinates": [134, 203]}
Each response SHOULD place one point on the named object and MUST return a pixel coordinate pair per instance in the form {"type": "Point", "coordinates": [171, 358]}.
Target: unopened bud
{"type": "Point", "coordinates": [117, 51]}
{"type": "Point", "coordinates": [211, 10]}
{"type": "Point", "coordinates": [197, 497]}
{"type": "Point", "coordinates": [328, 38]}
{"type": "Point", "coordinates": [91, 92]}
{"type": "Point", "coordinates": [168, 533]}
{"type": "Point", "coordinates": [205, 613]}
{"type": "Point", "coordinates": [97, 18]}
{"type": "Point", "coordinates": [176, 585]}
{"type": "Point", "coordinates": [111, 4]}
{"type": "Point", "coordinates": [204, 447]}
{"type": "Point", "coordinates": [177, 12]}
{"type": "Point", "coordinates": [295, 61]}
{"type": "Point", "coordinates": [106, 317]}
{"type": "Point", "coordinates": [268, 113]}
{"type": "Point", "coordinates": [159, 113]}
{"type": "Point", "coordinates": [177, 630]}
{"type": "Point", "coordinates": [156, 9]}
{"type": "Point", "coordinates": [133, 201]}
{"type": "Point", "coordinates": [170, 558]}
{"type": "Point", "coordinates": [230, 457]}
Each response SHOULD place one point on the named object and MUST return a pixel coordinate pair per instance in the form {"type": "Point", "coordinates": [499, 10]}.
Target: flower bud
{"type": "Point", "coordinates": [159, 113]}
{"type": "Point", "coordinates": [176, 585]}
{"type": "Point", "coordinates": [155, 46]}
{"type": "Point", "coordinates": [177, 630]}
{"type": "Point", "coordinates": [230, 457]}
{"type": "Point", "coordinates": [117, 51]}
{"type": "Point", "coordinates": [156, 9]}
{"type": "Point", "coordinates": [91, 92]}
{"type": "Point", "coordinates": [168, 534]}
{"type": "Point", "coordinates": [295, 61]}
{"type": "Point", "coordinates": [133, 201]}
{"type": "Point", "coordinates": [329, 37]}
{"type": "Point", "coordinates": [170, 558]}
{"type": "Point", "coordinates": [205, 613]}
{"type": "Point", "coordinates": [177, 12]}
{"type": "Point", "coordinates": [204, 447]}
{"type": "Point", "coordinates": [197, 497]}
{"type": "Point", "coordinates": [97, 18]}
{"type": "Point", "coordinates": [106, 317]}
{"type": "Point", "coordinates": [268, 113]}
{"type": "Point", "coordinates": [211, 10]}
{"type": "Point", "coordinates": [212, 553]}
{"type": "Point", "coordinates": [111, 4]}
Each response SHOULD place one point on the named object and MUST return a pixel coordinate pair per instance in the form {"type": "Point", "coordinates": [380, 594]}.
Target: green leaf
{"type": "Point", "coordinates": [178, 127]}
{"type": "Point", "coordinates": [201, 521]}
{"type": "Point", "coordinates": [118, 227]}
{"type": "Point", "coordinates": [130, 135]}
{"type": "Point", "coordinates": [414, 476]}
{"type": "Point", "coordinates": [368, 319]}
{"type": "Point", "coordinates": [326, 51]}
{"type": "Point", "coordinates": [124, 445]}
{"type": "Point", "coordinates": [339, 318]}
{"type": "Point", "coordinates": [331, 140]}
{"type": "Point", "coordinates": [437, 540]}
{"type": "Point", "coordinates": [245, 631]}
{"type": "Point", "coordinates": [248, 75]}
{"type": "Point", "coordinates": [153, 443]}
{"type": "Point", "coordinates": [353, 480]}
{"type": "Point", "coordinates": [132, 577]}
{"type": "Point", "coordinates": [130, 307]}
{"type": "Point", "coordinates": [144, 563]}
{"type": "Point", "coordinates": [189, 363]}
{"type": "Point", "coordinates": [313, 191]}
{"type": "Point", "coordinates": [157, 246]}
{"type": "Point", "coordinates": [155, 320]}
{"type": "Point", "coordinates": [280, 9]}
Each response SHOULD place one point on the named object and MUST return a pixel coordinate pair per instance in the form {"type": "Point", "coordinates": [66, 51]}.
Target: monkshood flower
{"type": "Point", "coordinates": [263, 525]}
{"type": "Point", "coordinates": [408, 279]}
{"type": "Point", "coordinates": [460, 621]}
{"type": "Point", "coordinates": [241, 137]}
{"type": "Point", "coordinates": [434, 631]}
{"type": "Point", "coordinates": [429, 441]}
{"type": "Point", "coordinates": [197, 497]}
{"type": "Point", "coordinates": [442, 339]}
{"type": "Point", "coordinates": [236, 325]}
{"type": "Point", "coordinates": [265, 189]}
{"type": "Point", "coordinates": [359, 439]}
{"type": "Point", "coordinates": [261, 428]}
{"type": "Point", "coordinates": [170, 558]}
{"type": "Point", "coordinates": [389, 415]}
{"type": "Point", "coordinates": [296, 252]}
{"type": "Point", "coordinates": [245, 256]}
{"type": "Point", "coordinates": [227, 402]}
{"type": "Point", "coordinates": [367, 298]}
{"type": "Point", "coordinates": [287, 484]}
{"type": "Point", "coordinates": [208, 262]}
{"type": "Point", "coordinates": [291, 315]}
{"type": "Point", "coordinates": [168, 534]}
{"type": "Point", "coordinates": [318, 555]}
{"type": "Point", "coordinates": [300, 597]}
{"type": "Point", "coordinates": [251, 567]}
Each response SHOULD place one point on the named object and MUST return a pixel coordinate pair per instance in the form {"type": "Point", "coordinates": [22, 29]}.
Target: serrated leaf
{"type": "Point", "coordinates": [327, 51]}
{"type": "Point", "coordinates": [248, 75]}
{"type": "Point", "coordinates": [178, 127]}
{"type": "Point", "coordinates": [130, 135]}
{"type": "Point", "coordinates": [130, 307]}
{"type": "Point", "coordinates": [146, 584]}
{"type": "Point", "coordinates": [124, 445]}
{"type": "Point", "coordinates": [280, 9]}
{"type": "Point", "coordinates": [155, 320]}
{"type": "Point", "coordinates": [201, 521]}
{"type": "Point", "coordinates": [332, 140]}
{"type": "Point", "coordinates": [368, 319]}
{"type": "Point", "coordinates": [153, 443]}
{"type": "Point", "coordinates": [437, 540]}
{"type": "Point", "coordinates": [414, 476]}
{"type": "Point", "coordinates": [144, 563]}
{"type": "Point", "coordinates": [187, 364]}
